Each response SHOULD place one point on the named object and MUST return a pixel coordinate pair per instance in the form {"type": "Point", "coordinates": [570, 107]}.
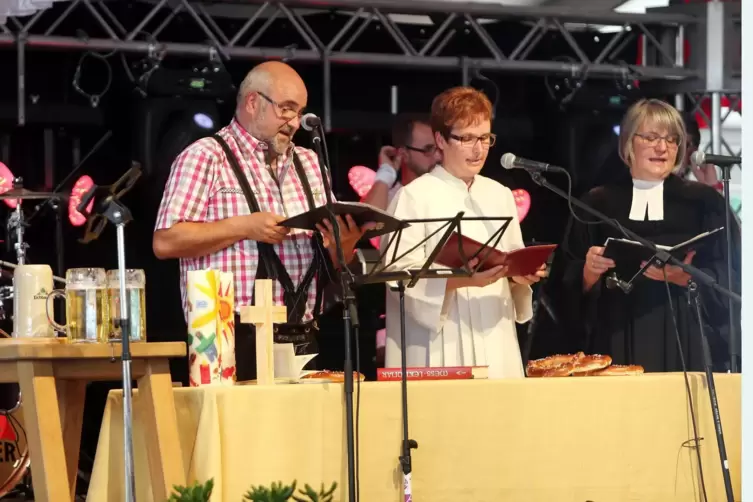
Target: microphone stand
{"type": "Point", "coordinates": [350, 311]}
{"type": "Point", "coordinates": [661, 258]}
{"type": "Point", "coordinates": [108, 205]}
{"type": "Point", "coordinates": [733, 354]}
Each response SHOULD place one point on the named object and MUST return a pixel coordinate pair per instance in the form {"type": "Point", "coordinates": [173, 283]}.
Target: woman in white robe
{"type": "Point", "coordinates": [458, 321]}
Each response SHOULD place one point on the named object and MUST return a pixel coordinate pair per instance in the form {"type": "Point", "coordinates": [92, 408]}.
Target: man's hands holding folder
{"type": "Point", "coordinates": [350, 234]}
{"type": "Point", "coordinates": [675, 274]}
{"type": "Point", "coordinates": [263, 227]}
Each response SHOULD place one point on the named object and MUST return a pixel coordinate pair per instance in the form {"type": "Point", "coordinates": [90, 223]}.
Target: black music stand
{"type": "Point", "coordinates": [412, 276]}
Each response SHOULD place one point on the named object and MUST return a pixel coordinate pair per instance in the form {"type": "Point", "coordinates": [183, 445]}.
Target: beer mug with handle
{"type": "Point", "coordinates": [136, 301]}
{"type": "Point", "coordinates": [32, 284]}
{"type": "Point", "coordinates": [86, 306]}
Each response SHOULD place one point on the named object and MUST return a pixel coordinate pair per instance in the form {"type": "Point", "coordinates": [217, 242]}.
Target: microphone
{"type": "Point", "coordinates": [698, 158]}
{"type": "Point", "coordinates": [510, 161]}
{"type": "Point", "coordinates": [310, 122]}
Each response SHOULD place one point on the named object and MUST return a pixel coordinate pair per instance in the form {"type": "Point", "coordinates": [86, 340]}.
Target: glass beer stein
{"type": "Point", "coordinates": [86, 308]}
{"type": "Point", "coordinates": [136, 298]}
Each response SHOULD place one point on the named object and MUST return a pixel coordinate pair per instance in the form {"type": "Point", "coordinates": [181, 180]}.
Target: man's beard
{"type": "Point", "coordinates": [279, 143]}
{"type": "Point", "coordinates": [418, 171]}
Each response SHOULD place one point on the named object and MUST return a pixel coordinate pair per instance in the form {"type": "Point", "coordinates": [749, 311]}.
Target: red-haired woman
{"type": "Point", "coordinates": [459, 321]}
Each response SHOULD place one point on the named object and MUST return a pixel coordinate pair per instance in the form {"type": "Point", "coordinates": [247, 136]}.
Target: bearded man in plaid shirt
{"type": "Point", "coordinates": [226, 195]}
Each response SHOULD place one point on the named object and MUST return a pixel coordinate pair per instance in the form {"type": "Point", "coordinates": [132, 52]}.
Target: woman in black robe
{"type": "Point", "coordinates": [637, 327]}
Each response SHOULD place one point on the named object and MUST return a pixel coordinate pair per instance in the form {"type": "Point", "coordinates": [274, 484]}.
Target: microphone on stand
{"type": "Point", "coordinates": [310, 122]}
{"type": "Point", "coordinates": [725, 163]}
{"type": "Point", "coordinates": [698, 159]}
{"type": "Point", "coordinates": [510, 161]}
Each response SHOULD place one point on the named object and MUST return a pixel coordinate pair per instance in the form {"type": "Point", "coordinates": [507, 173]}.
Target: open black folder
{"type": "Point", "coordinates": [360, 212]}
{"type": "Point", "coordinates": [628, 255]}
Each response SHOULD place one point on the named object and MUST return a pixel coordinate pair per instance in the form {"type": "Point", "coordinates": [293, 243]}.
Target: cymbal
{"type": "Point", "coordinates": [22, 193]}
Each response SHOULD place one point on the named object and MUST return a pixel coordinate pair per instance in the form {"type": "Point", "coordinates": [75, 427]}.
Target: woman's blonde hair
{"type": "Point", "coordinates": [658, 113]}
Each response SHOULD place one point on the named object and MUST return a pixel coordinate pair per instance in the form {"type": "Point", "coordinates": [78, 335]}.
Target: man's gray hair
{"type": "Point", "coordinates": [257, 80]}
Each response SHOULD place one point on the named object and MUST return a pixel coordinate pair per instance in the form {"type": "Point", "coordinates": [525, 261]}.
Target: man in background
{"type": "Point", "coordinates": [705, 174]}
{"type": "Point", "coordinates": [412, 154]}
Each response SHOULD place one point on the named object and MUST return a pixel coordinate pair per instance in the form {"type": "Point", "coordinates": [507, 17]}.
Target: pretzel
{"type": "Point", "coordinates": [538, 367]}
{"type": "Point", "coordinates": [562, 370]}
{"type": "Point", "coordinates": [334, 376]}
{"type": "Point", "coordinates": [587, 364]}
{"type": "Point", "coordinates": [621, 370]}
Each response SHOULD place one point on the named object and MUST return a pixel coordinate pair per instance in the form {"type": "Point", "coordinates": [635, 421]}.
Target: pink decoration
{"type": "Point", "coordinates": [82, 186]}
{"type": "Point", "coordinates": [6, 183]}
{"type": "Point", "coordinates": [522, 202]}
{"type": "Point", "coordinates": [361, 178]}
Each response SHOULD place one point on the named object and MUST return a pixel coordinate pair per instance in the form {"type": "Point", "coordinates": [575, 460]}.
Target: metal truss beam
{"type": "Point", "coordinates": [122, 33]}
{"type": "Point", "coordinates": [542, 20]}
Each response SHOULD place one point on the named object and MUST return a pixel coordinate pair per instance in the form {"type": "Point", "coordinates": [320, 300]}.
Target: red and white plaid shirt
{"type": "Point", "coordinates": [202, 187]}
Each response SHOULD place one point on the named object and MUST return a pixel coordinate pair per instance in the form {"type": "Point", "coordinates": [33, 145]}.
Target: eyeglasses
{"type": "Point", "coordinates": [426, 150]}
{"type": "Point", "coordinates": [652, 139]}
{"type": "Point", "coordinates": [467, 140]}
{"type": "Point", "coordinates": [284, 111]}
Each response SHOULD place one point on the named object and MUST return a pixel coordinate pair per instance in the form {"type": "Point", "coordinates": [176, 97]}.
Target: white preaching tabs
{"type": "Point", "coordinates": [648, 197]}
{"type": "Point", "coordinates": [288, 366]}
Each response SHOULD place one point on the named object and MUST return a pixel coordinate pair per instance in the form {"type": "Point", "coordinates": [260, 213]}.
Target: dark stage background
{"type": "Point", "coordinates": [530, 120]}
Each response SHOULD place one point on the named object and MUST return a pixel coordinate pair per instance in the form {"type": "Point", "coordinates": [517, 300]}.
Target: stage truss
{"type": "Point", "coordinates": [447, 19]}
{"type": "Point", "coordinates": [662, 36]}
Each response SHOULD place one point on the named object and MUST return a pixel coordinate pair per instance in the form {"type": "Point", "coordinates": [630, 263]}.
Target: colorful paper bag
{"type": "Point", "coordinates": [211, 328]}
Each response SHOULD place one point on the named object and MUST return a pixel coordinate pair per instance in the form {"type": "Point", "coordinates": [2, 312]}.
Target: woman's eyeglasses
{"type": "Point", "coordinates": [467, 140]}
{"type": "Point", "coordinates": [652, 139]}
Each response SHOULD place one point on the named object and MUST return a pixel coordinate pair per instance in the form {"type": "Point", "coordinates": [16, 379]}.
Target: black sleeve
{"type": "Point", "coordinates": [576, 308]}
{"type": "Point", "coordinates": [712, 259]}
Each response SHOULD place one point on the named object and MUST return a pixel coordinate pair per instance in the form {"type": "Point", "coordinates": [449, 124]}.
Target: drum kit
{"type": "Point", "coordinates": [14, 453]}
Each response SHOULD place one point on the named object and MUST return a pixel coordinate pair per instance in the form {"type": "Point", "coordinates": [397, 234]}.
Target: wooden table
{"type": "Point", "coordinates": [53, 377]}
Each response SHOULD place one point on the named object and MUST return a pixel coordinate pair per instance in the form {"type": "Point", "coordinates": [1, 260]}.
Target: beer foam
{"type": "Point", "coordinates": [83, 286]}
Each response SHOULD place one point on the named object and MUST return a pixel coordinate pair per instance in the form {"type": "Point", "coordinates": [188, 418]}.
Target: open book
{"type": "Point", "coordinates": [523, 261]}
{"type": "Point", "coordinates": [360, 212]}
{"type": "Point", "coordinates": [628, 255]}
{"type": "Point", "coordinates": [288, 366]}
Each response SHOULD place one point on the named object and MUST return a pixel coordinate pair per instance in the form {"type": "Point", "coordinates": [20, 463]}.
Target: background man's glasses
{"type": "Point", "coordinates": [426, 150]}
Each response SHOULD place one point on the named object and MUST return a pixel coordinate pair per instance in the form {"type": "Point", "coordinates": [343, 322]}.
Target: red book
{"type": "Point", "coordinates": [523, 261]}
{"type": "Point", "coordinates": [448, 373]}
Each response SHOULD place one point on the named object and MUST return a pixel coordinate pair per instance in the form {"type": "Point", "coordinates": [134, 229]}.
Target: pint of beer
{"type": "Point", "coordinates": [86, 306]}
{"type": "Point", "coordinates": [136, 301]}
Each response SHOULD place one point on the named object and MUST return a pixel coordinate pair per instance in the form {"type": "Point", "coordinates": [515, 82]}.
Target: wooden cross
{"type": "Point", "coordinates": [264, 314]}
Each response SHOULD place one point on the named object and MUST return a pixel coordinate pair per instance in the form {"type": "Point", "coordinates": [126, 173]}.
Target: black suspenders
{"type": "Point", "coordinates": [270, 266]}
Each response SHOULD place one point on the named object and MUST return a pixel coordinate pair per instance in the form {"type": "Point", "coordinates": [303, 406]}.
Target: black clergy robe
{"type": "Point", "coordinates": [636, 328]}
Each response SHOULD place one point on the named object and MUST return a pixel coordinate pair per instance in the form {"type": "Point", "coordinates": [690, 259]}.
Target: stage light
{"type": "Point", "coordinates": [203, 120]}
{"type": "Point", "coordinates": [616, 130]}
{"type": "Point", "coordinates": [167, 126]}
{"type": "Point", "coordinates": [82, 185]}
{"type": "Point", "coordinates": [6, 183]}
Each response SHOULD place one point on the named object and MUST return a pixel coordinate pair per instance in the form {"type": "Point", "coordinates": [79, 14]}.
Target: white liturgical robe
{"type": "Point", "coordinates": [467, 326]}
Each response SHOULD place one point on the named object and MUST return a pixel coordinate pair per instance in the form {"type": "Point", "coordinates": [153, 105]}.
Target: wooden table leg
{"type": "Point", "coordinates": [161, 429]}
{"type": "Point", "coordinates": [71, 395]}
{"type": "Point", "coordinates": [45, 432]}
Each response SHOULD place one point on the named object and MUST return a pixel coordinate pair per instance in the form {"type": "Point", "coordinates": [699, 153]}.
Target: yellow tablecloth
{"type": "Point", "coordinates": [602, 439]}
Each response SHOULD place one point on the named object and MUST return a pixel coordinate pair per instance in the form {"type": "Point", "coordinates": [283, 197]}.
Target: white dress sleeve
{"type": "Point", "coordinates": [424, 301]}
